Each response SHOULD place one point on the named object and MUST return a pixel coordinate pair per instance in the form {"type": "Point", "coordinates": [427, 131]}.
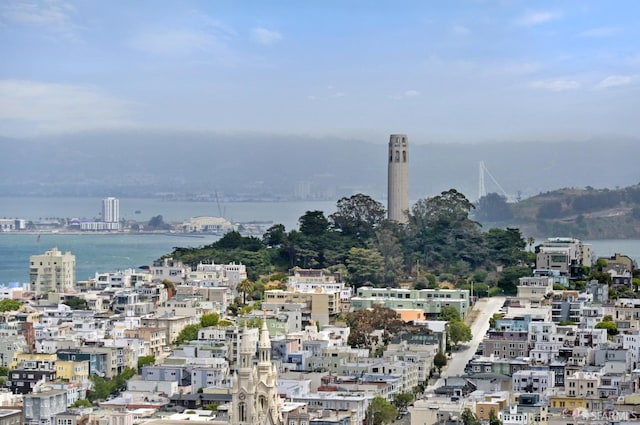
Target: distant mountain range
{"type": "Point", "coordinates": [145, 164]}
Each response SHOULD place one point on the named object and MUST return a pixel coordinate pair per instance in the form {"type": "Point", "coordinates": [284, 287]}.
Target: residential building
{"type": "Point", "coordinates": [535, 290]}
{"type": "Point", "coordinates": [10, 417]}
{"type": "Point", "coordinates": [539, 380]}
{"type": "Point", "coordinates": [41, 408]}
{"type": "Point", "coordinates": [563, 254]}
{"type": "Point", "coordinates": [52, 271]}
{"type": "Point", "coordinates": [430, 301]}
{"type": "Point", "coordinates": [506, 344]}
{"type": "Point", "coordinates": [111, 210]}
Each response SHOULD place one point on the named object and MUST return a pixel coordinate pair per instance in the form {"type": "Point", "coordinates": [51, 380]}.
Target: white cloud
{"type": "Point", "coordinates": [460, 30]}
{"type": "Point", "coordinates": [51, 15]}
{"type": "Point", "coordinates": [406, 94]}
{"type": "Point", "coordinates": [60, 107]}
{"type": "Point", "coordinates": [616, 81]}
{"type": "Point", "coordinates": [555, 85]}
{"type": "Point", "coordinates": [265, 37]}
{"type": "Point", "coordinates": [530, 19]}
{"type": "Point", "coordinates": [600, 32]}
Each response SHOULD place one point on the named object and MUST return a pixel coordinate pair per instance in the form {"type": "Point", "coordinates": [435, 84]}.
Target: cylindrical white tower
{"type": "Point", "coordinates": [398, 178]}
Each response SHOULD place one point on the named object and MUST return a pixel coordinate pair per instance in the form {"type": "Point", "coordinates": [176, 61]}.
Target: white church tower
{"type": "Point", "coordinates": [254, 396]}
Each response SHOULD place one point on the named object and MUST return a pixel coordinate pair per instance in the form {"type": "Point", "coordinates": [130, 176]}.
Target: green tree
{"type": "Point", "coordinates": [402, 400]}
{"type": "Point", "coordinates": [363, 322]}
{"type": "Point", "coordinates": [441, 233]}
{"type": "Point", "coordinates": [449, 313]}
{"type": "Point", "coordinates": [210, 319]}
{"type": "Point", "coordinates": [275, 236]}
{"type": "Point", "coordinates": [493, 207]}
{"type": "Point", "coordinates": [608, 324]}
{"type": "Point", "coordinates": [145, 360]}
{"type": "Point", "coordinates": [188, 333]}
{"type": "Point", "coordinates": [102, 387]}
{"type": "Point", "coordinates": [382, 412]}
{"type": "Point", "coordinates": [364, 266]}
{"type": "Point", "coordinates": [493, 418]}
{"type": "Point", "coordinates": [83, 402]}
{"type": "Point", "coordinates": [76, 303]}
{"type": "Point", "coordinates": [246, 287]}
{"type": "Point", "coordinates": [169, 286]}
{"type": "Point", "coordinates": [458, 332]}
{"type": "Point", "coordinates": [506, 246]}
{"type": "Point", "coordinates": [8, 304]}
{"type": "Point", "coordinates": [508, 280]}
{"type": "Point", "coordinates": [313, 223]}
{"type": "Point", "coordinates": [358, 216]}
{"type": "Point", "coordinates": [469, 418]}
{"type": "Point", "coordinates": [493, 319]}
{"type": "Point", "coordinates": [440, 361]}
{"type": "Point", "coordinates": [387, 244]}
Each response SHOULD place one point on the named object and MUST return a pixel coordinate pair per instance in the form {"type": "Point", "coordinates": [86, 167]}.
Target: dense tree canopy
{"type": "Point", "coordinates": [381, 411]}
{"type": "Point", "coordinates": [458, 332]}
{"type": "Point", "coordinates": [188, 333]}
{"type": "Point", "coordinates": [358, 217]}
{"type": "Point", "coordinates": [8, 304]}
{"type": "Point", "coordinates": [363, 322]}
{"type": "Point", "coordinates": [76, 303]}
{"type": "Point", "coordinates": [440, 239]}
{"type": "Point", "coordinates": [493, 208]}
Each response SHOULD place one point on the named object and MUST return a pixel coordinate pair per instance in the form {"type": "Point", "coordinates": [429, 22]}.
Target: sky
{"type": "Point", "coordinates": [439, 71]}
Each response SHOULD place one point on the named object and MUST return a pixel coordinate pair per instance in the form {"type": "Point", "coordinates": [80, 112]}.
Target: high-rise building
{"type": "Point", "coordinates": [52, 271]}
{"type": "Point", "coordinates": [111, 210]}
{"type": "Point", "coordinates": [398, 178]}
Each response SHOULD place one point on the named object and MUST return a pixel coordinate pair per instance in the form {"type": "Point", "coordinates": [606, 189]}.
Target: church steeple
{"type": "Point", "coordinates": [246, 351]}
{"type": "Point", "coordinates": [254, 395]}
{"type": "Point", "coordinates": [264, 346]}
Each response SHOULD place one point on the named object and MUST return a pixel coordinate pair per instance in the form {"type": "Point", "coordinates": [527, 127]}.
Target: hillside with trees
{"type": "Point", "coordinates": [582, 213]}
{"type": "Point", "coordinates": [440, 246]}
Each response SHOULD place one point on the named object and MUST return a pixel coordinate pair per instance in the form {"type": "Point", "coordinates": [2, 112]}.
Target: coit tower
{"type": "Point", "coordinates": [398, 178]}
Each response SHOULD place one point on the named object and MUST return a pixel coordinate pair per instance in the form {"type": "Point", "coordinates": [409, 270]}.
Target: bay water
{"type": "Point", "coordinates": [96, 252]}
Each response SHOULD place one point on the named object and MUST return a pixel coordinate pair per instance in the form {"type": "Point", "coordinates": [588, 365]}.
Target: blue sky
{"type": "Point", "coordinates": [465, 71]}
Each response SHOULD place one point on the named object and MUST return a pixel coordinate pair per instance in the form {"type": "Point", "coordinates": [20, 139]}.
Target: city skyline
{"type": "Point", "coordinates": [457, 71]}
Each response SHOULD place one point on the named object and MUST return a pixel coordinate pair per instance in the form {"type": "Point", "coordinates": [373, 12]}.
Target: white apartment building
{"type": "Point", "coordinates": [310, 280]}
{"type": "Point", "coordinates": [560, 253]}
{"type": "Point", "coordinates": [127, 278]}
{"type": "Point", "coordinates": [535, 289]}
{"type": "Point", "coordinates": [111, 210]}
{"type": "Point", "coordinates": [533, 381]}
{"type": "Point", "coordinates": [582, 384]}
{"type": "Point", "coordinates": [215, 275]}
{"type": "Point", "coordinates": [52, 271]}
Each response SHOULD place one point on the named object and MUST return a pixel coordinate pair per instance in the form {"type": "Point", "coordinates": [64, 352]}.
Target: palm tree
{"type": "Point", "coordinates": [246, 286]}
